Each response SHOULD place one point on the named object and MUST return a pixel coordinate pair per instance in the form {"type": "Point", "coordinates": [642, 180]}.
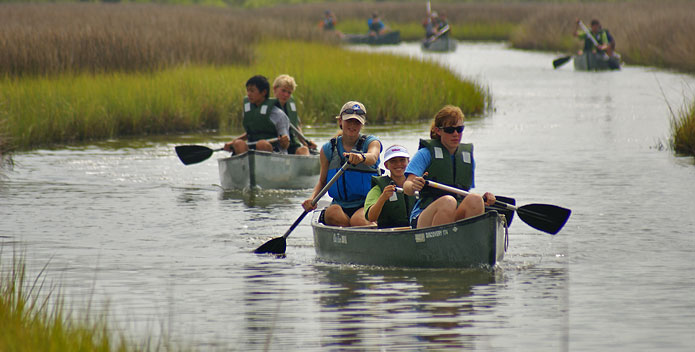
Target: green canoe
{"type": "Point", "coordinates": [475, 242]}
{"type": "Point", "coordinates": [393, 37]}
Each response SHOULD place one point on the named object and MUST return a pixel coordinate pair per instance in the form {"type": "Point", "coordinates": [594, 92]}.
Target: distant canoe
{"type": "Point", "coordinates": [473, 242]}
{"type": "Point", "coordinates": [269, 170]}
{"type": "Point", "coordinates": [441, 44]}
{"type": "Point", "coordinates": [595, 62]}
{"type": "Point", "coordinates": [393, 37]}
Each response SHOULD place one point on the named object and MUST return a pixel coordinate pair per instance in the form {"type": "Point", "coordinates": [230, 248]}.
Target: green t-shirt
{"type": "Point", "coordinates": [371, 199]}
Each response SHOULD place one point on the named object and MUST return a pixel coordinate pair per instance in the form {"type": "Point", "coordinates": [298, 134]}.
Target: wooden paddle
{"type": "Point", "coordinates": [545, 217]}
{"type": "Point", "coordinates": [193, 154]}
{"type": "Point", "coordinates": [279, 244]}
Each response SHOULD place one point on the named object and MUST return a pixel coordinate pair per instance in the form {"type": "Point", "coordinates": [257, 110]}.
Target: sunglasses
{"type": "Point", "coordinates": [451, 129]}
{"type": "Point", "coordinates": [353, 111]}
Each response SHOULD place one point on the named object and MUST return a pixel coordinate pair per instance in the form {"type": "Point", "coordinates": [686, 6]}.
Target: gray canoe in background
{"type": "Point", "coordinates": [269, 170]}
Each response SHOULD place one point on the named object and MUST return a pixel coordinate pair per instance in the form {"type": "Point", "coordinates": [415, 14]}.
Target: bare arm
{"type": "Point", "coordinates": [228, 145]}
{"type": "Point", "coordinates": [320, 184]}
{"type": "Point", "coordinates": [372, 155]}
{"type": "Point", "coordinates": [413, 183]}
{"type": "Point", "coordinates": [369, 158]}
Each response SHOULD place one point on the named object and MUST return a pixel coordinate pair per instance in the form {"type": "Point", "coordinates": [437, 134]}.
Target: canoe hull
{"type": "Point", "coordinates": [269, 171]}
{"type": "Point", "coordinates": [440, 45]}
{"type": "Point", "coordinates": [475, 242]}
{"type": "Point", "coordinates": [393, 37]}
{"type": "Point", "coordinates": [595, 62]}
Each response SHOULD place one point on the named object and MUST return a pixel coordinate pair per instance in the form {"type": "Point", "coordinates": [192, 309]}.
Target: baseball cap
{"type": "Point", "coordinates": [395, 151]}
{"type": "Point", "coordinates": [353, 110]}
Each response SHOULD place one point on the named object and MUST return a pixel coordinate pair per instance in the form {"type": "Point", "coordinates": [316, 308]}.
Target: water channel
{"type": "Point", "coordinates": [127, 229]}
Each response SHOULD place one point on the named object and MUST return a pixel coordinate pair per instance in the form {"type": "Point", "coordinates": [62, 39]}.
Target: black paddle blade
{"type": "Point", "coordinates": [275, 246]}
{"type": "Point", "coordinates": [545, 217]}
{"type": "Point", "coordinates": [191, 154]}
{"type": "Point", "coordinates": [561, 61]}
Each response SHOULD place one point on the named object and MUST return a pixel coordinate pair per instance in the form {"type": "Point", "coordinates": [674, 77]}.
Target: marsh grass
{"type": "Point", "coordinates": [78, 107]}
{"type": "Point", "coordinates": [323, 88]}
{"type": "Point", "coordinates": [62, 42]}
{"type": "Point", "coordinates": [33, 317]}
{"type": "Point", "coordinates": [6, 160]}
{"type": "Point", "coordinates": [683, 131]}
{"type": "Point", "coordinates": [47, 39]}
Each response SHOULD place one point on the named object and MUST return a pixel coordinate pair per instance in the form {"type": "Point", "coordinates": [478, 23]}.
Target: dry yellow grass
{"type": "Point", "coordinates": [56, 38]}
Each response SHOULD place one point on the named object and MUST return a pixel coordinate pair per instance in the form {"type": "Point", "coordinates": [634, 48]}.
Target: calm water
{"type": "Point", "coordinates": [126, 228]}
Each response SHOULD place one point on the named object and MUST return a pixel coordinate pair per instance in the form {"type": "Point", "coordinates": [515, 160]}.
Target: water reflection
{"type": "Point", "coordinates": [260, 198]}
{"type": "Point", "coordinates": [400, 308]}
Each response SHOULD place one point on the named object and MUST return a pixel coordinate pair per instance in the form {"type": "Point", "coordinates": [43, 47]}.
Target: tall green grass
{"type": "Point", "coordinates": [78, 107]}
{"type": "Point", "coordinates": [6, 160]}
{"type": "Point", "coordinates": [33, 317]}
{"type": "Point", "coordinates": [683, 131]}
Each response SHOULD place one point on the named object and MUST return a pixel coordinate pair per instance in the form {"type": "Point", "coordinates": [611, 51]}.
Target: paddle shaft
{"type": "Point", "coordinates": [192, 154]}
{"type": "Point", "coordinates": [296, 130]}
{"type": "Point", "coordinates": [272, 140]}
{"type": "Point", "coordinates": [434, 37]}
{"type": "Point", "coordinates": [588, 33]}
{"type": "Point", "coordinates": [464, 193]}
{"type": "Point", "coordinates": [401, 190]}
{"type": "Point", "coordinates": [545, 217]}
{"type": "Point", "coordinates": [318, 197]}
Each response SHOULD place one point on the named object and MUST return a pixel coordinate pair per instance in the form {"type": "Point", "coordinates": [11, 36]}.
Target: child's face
{"type": "Point", "coordinates": [397, 165]}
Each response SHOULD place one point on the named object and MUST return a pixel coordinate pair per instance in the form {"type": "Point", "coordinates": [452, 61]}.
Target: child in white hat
{"type": "Point", "coordinates": [384, 205]}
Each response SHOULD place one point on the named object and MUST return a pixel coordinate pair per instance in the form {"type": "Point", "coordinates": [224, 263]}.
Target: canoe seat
{"type": "Point", "coordinates": [364, 227]}
{"type": "Point", "coordinates": [398, 228]}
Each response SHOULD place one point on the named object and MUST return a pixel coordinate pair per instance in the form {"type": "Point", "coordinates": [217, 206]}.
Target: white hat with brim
{"type": "Point", "coordinates": [395, 151]}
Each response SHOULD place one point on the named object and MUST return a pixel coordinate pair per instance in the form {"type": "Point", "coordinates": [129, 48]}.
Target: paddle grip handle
{"type": "Point", "coordinates": [401, 190]}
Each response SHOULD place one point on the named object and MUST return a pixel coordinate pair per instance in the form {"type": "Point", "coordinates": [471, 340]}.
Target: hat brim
{"type": "Point", "coordinates": [354, 116]}
{"type": "Point", "coordinates": [397, 155]}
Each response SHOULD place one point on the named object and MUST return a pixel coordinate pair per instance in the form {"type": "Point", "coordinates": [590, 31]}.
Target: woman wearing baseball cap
{"type": "Point", "coordinates": [444, 159]}
{"type": "Point", "coordinates": [362, 152]}
{"type": "Point", "coordinates": [383, 204]}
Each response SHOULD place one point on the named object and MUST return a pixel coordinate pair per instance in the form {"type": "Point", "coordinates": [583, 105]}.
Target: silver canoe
{"type": "Point", "coordinates": [269, 170]}
{"type": "Point", "coordinates": [480, 241]}
{"type": "Point", "coordinates": [441, 44]}
{"type": "Point", "coordinates": [589, 61]}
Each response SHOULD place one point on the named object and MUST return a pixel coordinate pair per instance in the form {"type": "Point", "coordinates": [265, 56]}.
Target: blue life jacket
{"type": "Point", "coordinates": [356, 181]}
